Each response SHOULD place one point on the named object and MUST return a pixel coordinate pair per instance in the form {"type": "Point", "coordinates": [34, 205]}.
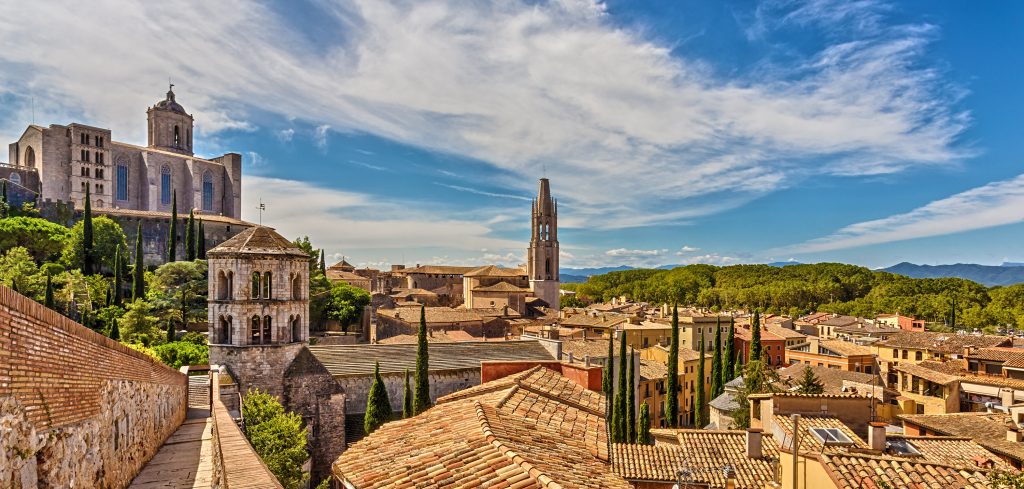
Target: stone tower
{"type": "Point", "coordinates": [258, 306]}
{"type": "Point", "coordinates": [170, 127]}
{"type": "Point", "coordinates": [542, 256]}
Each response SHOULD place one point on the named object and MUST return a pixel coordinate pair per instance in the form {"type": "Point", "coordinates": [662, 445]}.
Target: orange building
{"type": "Point", "coordinates": [838, 354]}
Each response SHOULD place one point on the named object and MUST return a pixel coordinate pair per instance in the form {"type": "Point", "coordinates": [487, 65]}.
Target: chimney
{"type": "Point", "coordinates": [1013, 435]}
{"type": "Point", "coordinates": [754, 443]}
{"type": "Point", "coordinates": [876, 436]}
{"type": "Point", "coordinates": [1006, 397]}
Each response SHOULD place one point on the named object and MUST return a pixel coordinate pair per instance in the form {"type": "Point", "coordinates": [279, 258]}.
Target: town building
{"type": "Point", "coordinates": [654, 376]}
{"type": "Point", "coordinates": [905, 323]}
{"type": "Point", "coordinates": [831, 353]}
{"type": "Point", "coordinates": [913, 347]}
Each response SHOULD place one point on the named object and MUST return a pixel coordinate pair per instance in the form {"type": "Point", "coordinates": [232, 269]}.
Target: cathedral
{"type": "Point", "coordinates": [67, 160]}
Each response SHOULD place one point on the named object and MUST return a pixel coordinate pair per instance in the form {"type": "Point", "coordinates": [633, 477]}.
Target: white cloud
{"type": "Point", "coordinates": [994, 204]}
{"type": "Point", "coordinates": [685, 250]}
{"type": "Point", "coordinates": [517, 84]}
{"type": "Point", "coordinates": [286, 135]}
{"type": "Point", "coordinates": [634, 253]}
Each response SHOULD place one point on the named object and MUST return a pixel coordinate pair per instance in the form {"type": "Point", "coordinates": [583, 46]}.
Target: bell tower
{"type": "Point", "coordinates": [169, 126]}
{"type": "Point", "coordinates": [542, 255]}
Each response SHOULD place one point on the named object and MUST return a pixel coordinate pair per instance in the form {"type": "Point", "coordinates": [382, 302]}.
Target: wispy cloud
{"type": "Point", "coordinates": [994, 204]}
{"type": "Point", "coordinates": [370, 166]}
{"type": "Point", "coordinates": [631, 253]}
{"type": "Point", "coordinates": [517, 84]}
{"type": "Point", "coordinates": [482, 192]}
{"type": "Point", "coordinates": [286, 135]}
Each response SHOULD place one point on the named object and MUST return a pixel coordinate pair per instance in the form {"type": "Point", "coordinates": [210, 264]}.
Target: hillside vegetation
{"type": "Point", "coordinates": [829, 287]}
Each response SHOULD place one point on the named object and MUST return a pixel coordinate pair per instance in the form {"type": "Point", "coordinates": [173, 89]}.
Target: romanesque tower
{"type": "Point", "coordinates": [170, 127]}
{"type": "Point", "coordinates": [542, 256]}
{"type": "Point", "coordinates": [258, 306]}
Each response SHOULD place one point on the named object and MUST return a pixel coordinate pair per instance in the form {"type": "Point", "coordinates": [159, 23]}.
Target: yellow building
{"type": "Point", "coordinates": [654, 374]}
{"type": "Point", "coordinates": [910, 347]}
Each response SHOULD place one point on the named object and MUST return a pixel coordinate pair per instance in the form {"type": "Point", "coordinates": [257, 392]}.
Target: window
{"type": "Point", "coordinates": [296, 329]}
{"type": "Point", "coordinates": [904, 353]}
{"type": "Point", "coordinates": [917, 355]}
{"type": "Point", "coordinates": [266, 330]}
{"type": "Point", "coordinates": [296, 287]}
{"type": "Point", "coordinates": [177, 137]}
{"type": "Point", "coordinates": [122, 182]}
{"type": "Point", "coordinates": [207, 191]}
{"type": "Point", "coordinates": [254, 339]}
{"type": "Point", "coordinates": [99, 141]}
{"type": "Point", "coordinates": [81, 138]}
{"type": "Point", "coordinates": [266, 286]}
{"type": "Point", "coordinates": [84, 155]}
{"type": "Point", "coordinates": [30, 157]}
{"type": "Point", "coordinates": [99, 173]}
{"type": "Point", "coordinates": [895, 353]}
{"type": "Point", "coordinates": [831, 436]}
{"type": "Point", "coordinates": [255, 285]}
{"type": "Point", "coordinates": [165, 185]}
{"type": "Point", "coordinates": [99, 157]}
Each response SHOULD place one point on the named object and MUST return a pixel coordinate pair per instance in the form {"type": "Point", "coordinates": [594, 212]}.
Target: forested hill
{"type": "Point", "coordinates": [983, 274]}
{"type": "Point", "coordinates": [832, 287]}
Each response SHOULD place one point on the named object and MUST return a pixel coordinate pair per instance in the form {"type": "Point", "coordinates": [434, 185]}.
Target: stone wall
{"type": "Point", "coordinates": [311, 391]}
{"type": "Point", "coordinates": [82, 410]}
{"type": "Point", "coordinates": [256, 367]}
{"type": "Point", "coordinates": [442, 383]}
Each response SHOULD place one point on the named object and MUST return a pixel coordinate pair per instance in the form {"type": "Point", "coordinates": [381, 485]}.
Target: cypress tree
{"type": "Point", "coordinates": [190, 237]}
{"type": "Point", "coordinates": [118, 288]}
{"type": "Point", "coordinates": [48, 298]}
{"type": "Point", "coordinates": [115, 333]}
{"type": "Point", "coordinates": [422, 395]}
{"type": "Point", "coordinates": [698, 407]}
{"type": "Point", "coordinates": [106, 302]}
{"type": "Point", "coordinates": [172, 238]}
{"type": "Point", "coordinates": [755, 338]}
{"type": "Point", "coordinates": [407, 411]}
{"type": "Point", "coordinates": [201, 241]}
{"type": "Point", "coordinates": [729, 372]}
{"type": "Point", "coordinates": [87, 238]}
{"type": "Point", "coordinates": [716, 361]}
{"type": "Point", "coordinates": [631, 399]}
{"type": "Point", "coordinates": [3, 200]}
{"type": "Point", "coordinates": [323, 266]}
{"type": "Point", "coordinates": [606, 376]}
{"type": "Point", "coordinates": [952, 313]}
{"type": "Point", "coordinates": [672, 382]}
{"type": "Point", "coordinates": [643, 435]}
{"type": "Point", "coordinates": [378, 406]}
{"type": "Point", "coordinates": [139, 273]}
{"type": "Point", "coordinates": [170, 331]}
{"type": "Point", "coordinates": [621, 415]}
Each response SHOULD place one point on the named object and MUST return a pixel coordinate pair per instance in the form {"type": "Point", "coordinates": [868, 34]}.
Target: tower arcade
{"type": "Point", "coordinates": [542, 255]}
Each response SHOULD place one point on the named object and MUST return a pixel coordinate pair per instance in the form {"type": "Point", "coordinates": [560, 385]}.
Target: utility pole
{"type": "Point", "coordinates": [796, 449]}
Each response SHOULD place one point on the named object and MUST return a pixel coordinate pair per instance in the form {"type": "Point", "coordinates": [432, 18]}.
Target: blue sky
{"type": "Point", "coordinates": [673, 132]}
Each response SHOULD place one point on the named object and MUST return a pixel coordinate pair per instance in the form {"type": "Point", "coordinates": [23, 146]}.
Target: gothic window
{"type": "Point", "coordinates": [255, 285]}
{"type": "Point", "coordinates": [177, 137]}
{"type": "Point", "coordinates": [266, 329]}
{"type": "Point", "coordinates": [254, 338]}
{"type": "Point", "coordinates": [30, 157]}
{"type": "Point", "coordinates": [15, 178]}
{"type": "Point", "coordinates": [266, 285]}
{"type": "Point", "coordinates": [296, 287]}
{"type": "Point", "coordinates": [547, 267]}
{"type": "Point", "coordinates": [224, 331]}
{"type": "Point", "coordinates": [207, 191]}
{"type": "Point", "coordinates": [165, 185]}
{"type": "Point", "coordinates": [229, 331]}
{"type": "Point", "coordinates": [122, 181]}
{"type": "Point", "coordinates": [222, 285]}
{"type": "Point", "coordinates": [296, 329]}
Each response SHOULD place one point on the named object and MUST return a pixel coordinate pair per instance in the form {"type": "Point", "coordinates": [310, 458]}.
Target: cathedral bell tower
{"type": "Point", "coordinates": [169, 126]}
{"type": "Point", "coordinates": [542, 255]}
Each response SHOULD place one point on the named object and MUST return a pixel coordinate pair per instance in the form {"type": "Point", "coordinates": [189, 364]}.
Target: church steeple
{"type": "Point", "coordinates": [170, 126]}
{"type": "Point", "coordinates": [542, 255]}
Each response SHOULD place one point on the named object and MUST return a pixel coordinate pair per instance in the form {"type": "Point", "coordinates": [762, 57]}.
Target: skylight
{"type": "Point", "coordinates": [831, 436]}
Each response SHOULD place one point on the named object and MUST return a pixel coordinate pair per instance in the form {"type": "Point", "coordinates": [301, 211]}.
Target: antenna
{"type": "Point", "coordinates": [262, 207]}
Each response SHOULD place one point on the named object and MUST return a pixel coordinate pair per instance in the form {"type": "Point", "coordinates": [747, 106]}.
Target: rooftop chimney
{"type": "Point", "coordinates": [1013, 435]}
{"type": "Point", "coordinates": [876, 436]}
{"type": "Point", "coordinates": [754, 443]}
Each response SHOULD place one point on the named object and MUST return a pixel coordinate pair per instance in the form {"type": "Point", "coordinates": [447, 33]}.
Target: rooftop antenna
{"type": "Point", "coordinates": [262, 207]}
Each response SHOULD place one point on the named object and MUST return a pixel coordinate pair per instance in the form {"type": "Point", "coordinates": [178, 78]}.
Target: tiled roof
{"type": "Point", "coordinates": [532, 430]}
{"type": "Point", "coordinates": [494, 271]}
{"type": "Point", "coordinates": [931, 375]}
{"type": "Point", "coordinates": [411, 315]}
{"type": "Point", "coordinates": [258, 240]}
{"type": "Point", "coordinates": [604, 320]}
{"type": "Point", "coordinates": [590, 347]}
{"type": "Point", "coordinates": [953, 450]}
{"type": "Point", "coordinates": [839, 321]}
{"type": "Point", "coordinates": [868, 329]}
{"type": "Point", "coordinates": [337, 274]}
{"type": "Point", "coordinates": [726, 402]}
{"type": "Point", "coordinates": [844, 348]}
{"type": "Point", "coordinates": [954, 369]}
{"type": "Point", "coordinates": [808, 441]}
{"type": "Point", "coordinates": [849, 471]}
{"type": "Point", "coordinates": [358, 360]}
{"type": "Point", "coordinates": [501, 287]}
{"type": "Point", "coordinates": [405, 292]}
{"type": "Point", "coordinates": [988, 430]}
{"type": "Point", "coordinates": [786, 333]}
{"type": "Point", "coordinates": [651, 370]}
{"type": "Point", "coordinates": [453, 336]}
{"type": "Point", "coordinates": [998, 354]}
{"type": "Point", "coordinates": [704, 452]}
{"type": "Point", "coordinates": [831, 378]}
{"type": "Point", "coordinates": [947, 343]}
{"type": "Point", "coordinates": [436, 270]}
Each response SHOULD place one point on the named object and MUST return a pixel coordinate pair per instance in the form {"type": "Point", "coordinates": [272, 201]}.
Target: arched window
{"type": "Point", "coordinates": [222, 285]}
{"type": "Point", "coordinates": [266, 285]}
{"type": "Point", "coordinates": [30, 157]}
{"type": "Point", "coordinates": [222, 331]}
{"type": "Point", "coordinates": [266, 330]}
{"type": "Point", "coordinates": [296, 329]}
{"type": "Point", "coordinates": [296, 287]}
{"type": "Point", "coordinates": [165, 185]}
{"type": "Point", "coordinates": [122, 181]}
{"type": "Point", "coordinates": [177, 137]}
{"type": "Point", "coordinates": [207, 191]}
{"type": "Point", "coordinates": [547, 267]}
{"type": "Point", "coordinates": [229, 331]}
{"type": "Point", "coordinates": [15, 178]}
{"type": "Point", "coordinates": [255, 285]}
{"type": "Point", "coordinates": [254, 339]}
{"type": "Point", "coordinates": [231, 286]}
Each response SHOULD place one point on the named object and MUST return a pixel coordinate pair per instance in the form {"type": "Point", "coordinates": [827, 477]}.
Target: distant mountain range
{"type": "Point", "coordinates": [1005, 274]}
{"type": "Point", "coordinates": [1008, 273]}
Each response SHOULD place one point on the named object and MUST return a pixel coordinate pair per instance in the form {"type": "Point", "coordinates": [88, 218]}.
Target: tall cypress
{"type": "Point", "coordinates": [171, 336]}
{"type": "Point", "coordinates": [201, 241]}
{"type": "Point", "coordinates": [87, 239]}
{"type": "Point", "coordinates": [716, 362]}
{"type": "Point", "coordinates": [3, 199]}
{"type": "Point", "coordinates": [672, 382]}
{"type": "Point", "coordinates": [323, 266]}
{"type": "Point", "coordinates": [118, 287]}
{"type": "Point", "coordinates": [755, 338]}
{"type": "Point", "coordinates": [606, 377]}
{"type": "Point", "coordinates": [378, 406]}
{"type": "Point", "coordinates": [698, 406]}
{"type": "Point", "coordinates": [172, 237]}
{"type": "Point", "coordinates": [407, 410]}
{"type": "Point", "coordinates": [107, 302]}
{"type": "Point", "coordinates": [643, 435]}
{"type": "Point", "coordinates": [48, 297]}
{"type": "Point", "coordinates": [190, 236]}
{"type": "Point", "coordinates": [115, 332]}
{"type": "Point", "coordinates": [422, 395]}
{"type": "Point", "coordinates": [139, 273]}
{"type": "Point", "coordinates": [622, 416]}
{"type": "Point", "coordinates": [729, 372]}
{"type": "Point", "coordinates": [631, 399]}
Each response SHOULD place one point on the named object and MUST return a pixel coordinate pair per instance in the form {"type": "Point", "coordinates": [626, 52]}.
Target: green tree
{"type": "Point", "coordinates": [323, 265]}
{"type": "Point", "coordinates": [176, 354]}
{"type": "Point", "coordinates": [201, 241]}
{"type": "Point", "coordinates": [809, 383]}
{"type": "Point", "coordinates": [422, 394]}
{"type": "Point", "coordinates": [277, 436]}
{"type": "Point", "coordinates": [171, 333]}
{"type": "Point", "coordinates": [115, 332]}
{"type": "Point", "coordinates": [4, 212]}
{"type": "Point", "coordinates": [378, 406]}
{"type": "Point", "coordinates": [190, 236]}
{"type": "Point", "coordinates": [729, 372]}
{"type": "Point", "coordinates": [716, 361]}
{"type": "Point", "coordinates": [631, 399]}
{"type": "Point", "coordinates": [346, 304]}
{"type": "Point", "coordinates": [1001, 479]}
{"type": "Point", "coordinates": [698, 406]}
{"type": "Point", "coordinates": [172, 236]}
{"type": "Point", "coordinates": [48, 299]}
{"type": "Point", "coordinates": [407, 409]}
{"type": "Point", "coordinates": [18, 269]}
{"type": "Point", "coordinates": [643, 436]}
{"type": "Point", "coordinates": [259, 407]}
{"type": "Point", "coordinates": [139, 325]}
{"type": "Point", "coordinates": [755, 337]}
{"type": "Point", "coordinates": [672, 382]}
{"type": "Point", "coordinates": [87, 236]}
{"type": "Point", "coordinates": [118, 287]}
{"type": "Point", "coordinates": [621, 396]}
{"type": "Point", "coordinates": [107, 236]}
{"type": "Point", "coordinates": [758, 378]}
{"type": "Point", "coordinates": [139, 269]}
{"type": "Point", "coordinates": [606, 375]}
{"type": "Point", "coordinates": [43, 239]}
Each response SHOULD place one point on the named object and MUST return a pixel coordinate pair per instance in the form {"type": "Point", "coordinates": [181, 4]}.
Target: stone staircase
{"type": "Point", "coordinates": [199, 391]}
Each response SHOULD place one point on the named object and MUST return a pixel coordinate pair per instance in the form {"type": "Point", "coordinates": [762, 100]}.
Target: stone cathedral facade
{"type": "Point", "coordinates": [67, 159]}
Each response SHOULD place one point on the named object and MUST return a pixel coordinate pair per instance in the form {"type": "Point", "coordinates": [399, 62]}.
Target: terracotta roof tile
{"type": "Point", "coordinates": [258, 240]}
{"type": "Point", "coordinates": [850, 471]}
{"type": "Point", "coordinates": [988, 430]}
{"type": "Point", "coordinates": [947, 343]}
{"type": "Point", "coordinates": [704, 452]}
{"type": "Point", "coordinates": [358, 360]}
